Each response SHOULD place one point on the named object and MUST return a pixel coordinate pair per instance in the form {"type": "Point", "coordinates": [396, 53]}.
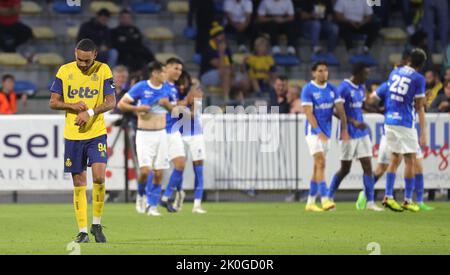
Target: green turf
{"type": "Point", "coordinates": [230, 228]}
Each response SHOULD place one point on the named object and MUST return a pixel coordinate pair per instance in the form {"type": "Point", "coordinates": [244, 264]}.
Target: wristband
{"type": "Point", "coordinates": [91, 112]}
{"type": "Point", "coordinates": [317, 130]}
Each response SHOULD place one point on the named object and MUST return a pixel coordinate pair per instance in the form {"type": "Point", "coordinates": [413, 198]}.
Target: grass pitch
{"type": "Point", "coordinates": [229, 228]}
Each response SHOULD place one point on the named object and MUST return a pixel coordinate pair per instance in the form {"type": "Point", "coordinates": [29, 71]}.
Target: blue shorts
{"type": "Point", "coordinates": [78, 154]}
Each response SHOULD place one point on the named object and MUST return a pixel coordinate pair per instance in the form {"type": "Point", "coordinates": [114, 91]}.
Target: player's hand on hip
{"type": "Point", "coordinates": [82, 119]}
{"type": "Point", "coordinates": [79, 107]}
{"type": "Point", "coordinates": [142, 109]}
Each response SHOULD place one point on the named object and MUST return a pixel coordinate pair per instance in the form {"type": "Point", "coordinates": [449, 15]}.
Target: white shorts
{"type": "Point", "coordinates": [401, 140]}
{"type": "Point", "coordinates": [176, 146]}
{"type": "Point", "coordinates": [196, 145]}
{"type": "Point", "coordinates": [152, 149]}
{"type": "Point", "coordinates": [316, 146]}
{"type": "Point", "coordinates": [384, 154]}
{"type": "Point", "coordinates": [356, 148]}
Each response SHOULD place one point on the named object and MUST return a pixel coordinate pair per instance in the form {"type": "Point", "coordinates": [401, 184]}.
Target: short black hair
{"type": "Point", "coordinates": [316, 65]}
{"type": "Point", "coordinates": [282, 77]}
{"type": "Point", "coordinates": [154, 66]}
{"type": "Point", "coordinates": [86, 45]}
{"type": "Point", "coordinates": [8, 76]}
{"type": "Point", "coordinates": [174, 60]}
{"type": "Point", "coordinates": [418, 58]}
{"type": "Point", "coordinates": [104, 12]}
{"type": "Point", "coordinates": [359, 68]}
{"type": "Point", "coordinates": [184, 77]}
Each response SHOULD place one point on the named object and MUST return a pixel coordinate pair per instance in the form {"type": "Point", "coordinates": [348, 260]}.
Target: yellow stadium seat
{"type": "Point", "coordinates": [43, 33]}
{"type": "Point", "coordinates": [395, 59]}
{"type": "Point", "coordinates": [159, 34]}
{"type": "Point", "coordinates": [394, 34]}
{"type": "Point", "coordinates": [12, 59]}
{"type": "Point", "coordinates": [162, 57]}
{"type": "Point", "coordinates": [49, 59]}
{"type": "Point", "coordinates": [438, 59]}
{"type": "Point", "coordinates": [178, 6]}
{"type": "Point", "coordinates": [30, 7]}
{"type": "Point", "coordinates": [297, 82]}
{"type": "Point", "coordinates": [98, 5]}
{"type": "Point", "coordinates": [239, 58]}
{"type": "Point", "coordinates": [72, 32]}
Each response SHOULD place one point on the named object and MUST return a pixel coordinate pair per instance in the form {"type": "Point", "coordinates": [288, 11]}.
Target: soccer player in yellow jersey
{"type": "Point", "coordinates": [85, 90]}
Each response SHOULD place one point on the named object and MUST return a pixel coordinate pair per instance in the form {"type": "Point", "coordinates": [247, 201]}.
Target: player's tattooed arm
{"type": "Point", "coordinates": [341, 114]}
{"type": "Point", "coordinates": [108, 105]}
{"type": "Point", "coordinates": [57, 103]}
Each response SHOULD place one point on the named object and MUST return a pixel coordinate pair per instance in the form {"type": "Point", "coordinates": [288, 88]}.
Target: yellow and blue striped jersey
{"type": "Point", "coordinates": [89, 87]}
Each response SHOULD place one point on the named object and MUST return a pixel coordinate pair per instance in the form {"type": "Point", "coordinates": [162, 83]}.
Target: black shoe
{"type": "Point", "coordinates": [97, 231]}
{"type": "Point", "coordinates": [82, 238]}
{"type": "Point", "coordinates": [168, 206]}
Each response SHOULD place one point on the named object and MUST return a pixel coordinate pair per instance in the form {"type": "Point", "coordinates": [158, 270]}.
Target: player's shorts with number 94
{"type": "Point", "coordinates": [79, 154]}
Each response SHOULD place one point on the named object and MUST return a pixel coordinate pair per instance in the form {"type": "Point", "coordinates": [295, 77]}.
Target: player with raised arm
{"type": "Point", "coordinates": [319, 98]}
{"type": "Point", "coordinates": [85, 90]}
{"type": "Point", "coordinates": [151, 136]}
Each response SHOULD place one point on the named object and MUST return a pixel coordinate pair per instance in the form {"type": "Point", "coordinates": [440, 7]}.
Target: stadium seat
{"type": "Point", "coordinates": [110, 6]}
{"type": "Point", "coordinates": [438, 59]}
{"type": "Point", "coordinates": [60, 6]}
{"type": "Point", "coordinates": [329, 58]}
{"type": "Point", "coordinates": [394, 34]}
{"type": "Point", "coordinates": [286, 60]}
{"type": "Point", "coordinates": [239, 58]}
{"type": "Point", "coordinates": [190, 33]}
{"type": "Point", "coordinates": [12, 59]}
{"type": "Point", "coordinates": [25, 87]}
{"type": "Point", "coordinates": [395, 59]}
{"type": "Point", "coordinates": [162, 57]}
{"type": "Point", "coordinates": [178, 6]}
{"type": "Point", "coordinates": [49, 59]}
{"type": "Point", "coordinates": [30, 7]}
{"type": "Point", "coordinates": [43, 33]}
{"type": "Point", "coordinates": [365, 58]}
{"type": "Point", "coordinates": [297, 83]}
{"type": "Point", "coordinates": [142, 7]}
{"type": "Point", "coordinates": [159, 34]}
{"type": "Point", "coordinates": [197, 58]}
{"type": "Point", "coordinates": [72, 32]}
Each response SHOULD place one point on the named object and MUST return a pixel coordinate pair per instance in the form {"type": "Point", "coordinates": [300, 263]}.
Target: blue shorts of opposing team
{"type": "Point", "coordinates": [79, 154]}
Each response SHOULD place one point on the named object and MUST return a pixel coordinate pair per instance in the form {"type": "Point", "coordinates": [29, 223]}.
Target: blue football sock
{"type": "Point", "coordinates": [335, 182]}
{"type": "Point", "coordinates": [313, 189]}
{"type": "Point", "coordinates": [141, 188]}
{"type": "Point", "coordinates": [156, 194]}
{"type": "Point", "coordinates": [409, 189]}
{"type": "Point", "coordinates": [375, 179]}
{"type": "Point", "coordinates": [174, 181]}
{"type": "Point", "coordinates": [323, 190]}
{"type": "Point", "coordinates": [369, 188]}
{"type": "Point", "coordinates": [149, 188]}
{"type": "Point", "coordinates": [419, 188]}
{"type": "Point", "coordinates": [198, 194]}
{"type": "Point", "coordinates": [390, 182]}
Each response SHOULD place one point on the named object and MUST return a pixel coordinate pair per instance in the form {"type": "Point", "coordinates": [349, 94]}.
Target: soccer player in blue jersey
{"type": "Point", "coordinates": [319, 99]}
{"type": "Point", "coordinates": [151, 137]}
{"type": "Point", "coordinates": [352, 91]}
{"type": "Point", "coordinates": [404, 99]}
{"type": "Point", "coordinates": [85, 90]}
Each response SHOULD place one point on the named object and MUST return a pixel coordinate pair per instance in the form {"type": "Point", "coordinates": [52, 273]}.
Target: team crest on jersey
{"type": "Point", "coordinates": [333, 95]}
{"type": "Point", "coordinates": [94, 77]}
{"type": "Point", "coordinates": [316, 95]}
{"type": "Point", "coordinates": [70, 76]}
{"type": "Point", "coordinates": [68, 163]}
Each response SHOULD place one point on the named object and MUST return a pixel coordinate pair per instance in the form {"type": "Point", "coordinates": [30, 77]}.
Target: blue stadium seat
{"type": "Point", "coordinates": [197, 58]}
{"type": "Point", "coordinates": [331, 59]}
{"type": "Point", "coordinates": [190, 32]}
{"type": "Point", "coordinates": [142, 7]}
{"type": "Point", "coordinates": [286, 60]}
{"type": "Point", "coordinates": [365, 58]}
{"type": "Point", "coordinates": [25, 87]}
{"type": "Point", "coordinates": [60, 6]}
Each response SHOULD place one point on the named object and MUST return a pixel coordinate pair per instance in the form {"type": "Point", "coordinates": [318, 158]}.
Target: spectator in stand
{"type": "Point", "coordinates": [317, 20]}
{"type": "Point", "coordinates": [238, 14]}
{"type": "Point", "coordinates": [215, 69]}
{"type": "Point", "coordinates": [356, 17]}
{"type": "Point", "coordinates": [436, 11]}
{"type": "Point", "coordinates": [385, 9]}
{"type": "Point", "coordinates": [447, 75]}
{"type": "Point", "coordinates": [98, 31]}
{"type": "Point", "coordinates": [433, 86]}
{"type": "Point", "coordinates": [13, 33]}
{"type": "Point", "coordinates": [127, 39]}
{"type": "Point", "coordinates": [120, 78]}
{"type": "Point", "coordinates": [276, 17]}
{"type": "Point", "coordinates": [203, 12]}
{"type": "Point", "coordinates": [293, 98]}
{"type": "Point", "coordinates": [8, 104]}
{"type": "Point", "coordinates": [442, 102]}
{"type": "Point", "coordinates": [260, 66]}
{"type": "Point", "coordinates": [278, 95]}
